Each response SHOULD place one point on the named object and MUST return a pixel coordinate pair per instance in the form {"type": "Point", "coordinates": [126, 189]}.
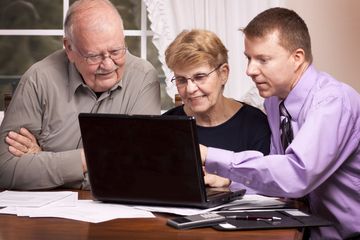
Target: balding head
{"type": "Point", "coordinates": [91, 15]}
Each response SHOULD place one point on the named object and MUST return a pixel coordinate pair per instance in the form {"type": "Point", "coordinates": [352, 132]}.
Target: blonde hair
{"type": "Point", "coordinates": [196, 47]}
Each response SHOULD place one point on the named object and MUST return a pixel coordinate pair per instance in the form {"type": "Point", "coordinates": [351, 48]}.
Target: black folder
{"type": "Point", "coordinates": [291, 218]}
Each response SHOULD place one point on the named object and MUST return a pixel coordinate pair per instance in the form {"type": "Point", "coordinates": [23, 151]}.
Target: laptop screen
{"type": "Point", "coordinates": [144, 159]}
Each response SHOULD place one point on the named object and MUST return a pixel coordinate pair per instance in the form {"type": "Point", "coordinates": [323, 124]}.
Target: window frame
{"type": "Point", "coordinates": [143, 33]}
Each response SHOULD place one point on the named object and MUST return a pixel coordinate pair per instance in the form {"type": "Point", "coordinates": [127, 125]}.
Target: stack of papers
{"type": "Point", "coordinates": [245, 203]}
{"type": "Point", "coordinates": [254, 202]}
{"type": "Point", "coordinates": [65, 205]}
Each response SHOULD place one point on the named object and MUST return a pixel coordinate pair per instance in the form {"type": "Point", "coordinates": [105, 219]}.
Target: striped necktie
{"type": "Point", "coordinates": [285, 126]}
{"type": "Point", "coordinates": [287, 136]}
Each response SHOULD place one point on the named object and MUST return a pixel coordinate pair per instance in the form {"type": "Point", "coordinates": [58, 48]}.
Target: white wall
{"type": "Point", "coordinates": [334, 27]}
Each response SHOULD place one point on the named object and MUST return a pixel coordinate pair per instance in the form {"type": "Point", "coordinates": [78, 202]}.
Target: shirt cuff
{"type": "Point", "coordinates": [218, 161]}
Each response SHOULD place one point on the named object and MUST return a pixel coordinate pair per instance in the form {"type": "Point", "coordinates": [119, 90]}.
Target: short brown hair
{"type": "Point", "coordinates": [293, 32]}
{"type": "Point", "coordinates": [196, 47]}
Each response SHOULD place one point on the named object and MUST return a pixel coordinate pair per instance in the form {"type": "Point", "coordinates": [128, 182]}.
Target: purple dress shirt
{"type": "Point", "coordinates": [323, 160]}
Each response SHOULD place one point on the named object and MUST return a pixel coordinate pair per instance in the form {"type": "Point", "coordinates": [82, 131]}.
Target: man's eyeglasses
{"type": "Point", "coordinates": [115, 55]}
{"type": "Point", "coordinates": [198, 78]}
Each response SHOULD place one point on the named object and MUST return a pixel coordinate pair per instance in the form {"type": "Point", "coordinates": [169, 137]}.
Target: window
{"type": "Point", "coordinates": [32, 29]}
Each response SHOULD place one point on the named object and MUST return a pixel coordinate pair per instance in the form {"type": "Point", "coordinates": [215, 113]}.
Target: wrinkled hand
{"type": "Point", "coordinates": [213, 180]}
{"type": "Point", "coordinates": [22, 143]}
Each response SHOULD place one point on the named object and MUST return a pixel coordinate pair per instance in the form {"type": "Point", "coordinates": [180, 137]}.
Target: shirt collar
{"type": "Point", "coordinates": [76, 80]}
{"type": "Point", "coordinates": [297, 96]}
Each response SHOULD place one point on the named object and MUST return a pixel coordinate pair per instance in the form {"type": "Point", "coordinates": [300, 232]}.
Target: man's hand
{"type": "Point", "coordinates": [203, 153]}
{"type": "Point", "coordinates": [213, 180]}
{"type": "Point", "coordinates": [22, 143]}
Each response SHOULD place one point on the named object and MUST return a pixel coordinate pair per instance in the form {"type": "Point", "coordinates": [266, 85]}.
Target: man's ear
{"type": "Point", "coordinates": [69, 50]}
{"type": "Point", "coordinates": [298, 57]}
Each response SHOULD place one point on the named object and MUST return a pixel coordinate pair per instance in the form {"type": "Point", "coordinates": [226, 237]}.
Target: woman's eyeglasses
{"type": "Point", "coordinates": [198, 78]}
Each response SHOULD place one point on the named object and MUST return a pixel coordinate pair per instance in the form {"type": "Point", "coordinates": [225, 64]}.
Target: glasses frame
{"type": "Point", "coordinates": [206, 75]}
{"type": "Point", "coordinates": [102, 55]}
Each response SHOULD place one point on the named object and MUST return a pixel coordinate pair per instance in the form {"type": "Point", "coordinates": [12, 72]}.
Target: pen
{"type": "Point", "coordinates": [255, 218]}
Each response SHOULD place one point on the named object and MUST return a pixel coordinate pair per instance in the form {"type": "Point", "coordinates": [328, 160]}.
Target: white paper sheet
{"type": "Point", "coordinates": [54, 204]}
{"type": "Point", "coordinates": [90, 211]}
{"type": "Point", "coordinates": [30, 199]}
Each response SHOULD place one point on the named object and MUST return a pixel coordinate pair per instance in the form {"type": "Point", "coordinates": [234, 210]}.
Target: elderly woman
{"type": "Point", "coordinates": [199, 61]}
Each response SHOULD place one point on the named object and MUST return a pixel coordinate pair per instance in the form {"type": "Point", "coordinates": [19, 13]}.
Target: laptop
{"type": "Point", "coordinates": [147, 159]}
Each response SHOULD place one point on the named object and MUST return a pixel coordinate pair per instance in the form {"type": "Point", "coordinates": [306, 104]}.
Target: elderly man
{"type": "Point", "coordinates": [315, 125]}
{"type": "Point", "coordinates": [41, 145]}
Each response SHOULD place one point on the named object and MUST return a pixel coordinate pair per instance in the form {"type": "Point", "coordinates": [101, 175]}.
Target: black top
{"type": "Point", "coordinates": [248, 129]}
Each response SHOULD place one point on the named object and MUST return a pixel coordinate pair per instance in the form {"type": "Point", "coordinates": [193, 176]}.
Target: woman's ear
{"type": "Point", "coordinates": [224, 73]}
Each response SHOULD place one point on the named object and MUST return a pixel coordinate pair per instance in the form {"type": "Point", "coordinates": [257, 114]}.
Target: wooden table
{"type": "Point", "coordinates": [13, 227]}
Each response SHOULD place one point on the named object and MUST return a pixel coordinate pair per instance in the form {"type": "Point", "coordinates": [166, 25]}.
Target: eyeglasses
{"type": "Point", "coordinates": [198, 79]}
{"type": "Point", "coordinates": [114, 55]}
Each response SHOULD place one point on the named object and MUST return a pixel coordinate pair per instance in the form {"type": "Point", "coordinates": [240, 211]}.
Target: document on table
{"type": "Point", "coordinates": [88, 211]}
{"type": "Point", "coordinates": [249, 201]}
{"type": "Point", "coordinates": [68, 207]}
{"type": "Point", "coordinates": [31, 199]}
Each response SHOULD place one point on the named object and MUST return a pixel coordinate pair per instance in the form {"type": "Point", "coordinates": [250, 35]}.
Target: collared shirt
{"type": "Point", "coordinates": [47, 102]}
{"type": "Point", "coordinates": [323, 160]}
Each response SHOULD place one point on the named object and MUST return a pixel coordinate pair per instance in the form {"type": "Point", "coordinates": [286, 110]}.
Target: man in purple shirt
{"type": "Point", "coordinates": [322, 161]}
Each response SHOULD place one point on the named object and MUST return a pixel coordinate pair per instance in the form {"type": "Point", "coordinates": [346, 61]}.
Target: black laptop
{"type": "Point", "coordinates": [146, 159]}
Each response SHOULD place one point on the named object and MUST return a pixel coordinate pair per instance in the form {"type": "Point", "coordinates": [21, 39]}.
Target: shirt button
{"type": "Point", "coordinates": [247, 182]}
{"type": "Point", "coordinates": [215, 172]}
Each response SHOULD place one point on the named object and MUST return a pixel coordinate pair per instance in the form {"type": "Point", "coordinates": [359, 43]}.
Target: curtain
{"type": "Point", "coordinates": [224, 17]}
